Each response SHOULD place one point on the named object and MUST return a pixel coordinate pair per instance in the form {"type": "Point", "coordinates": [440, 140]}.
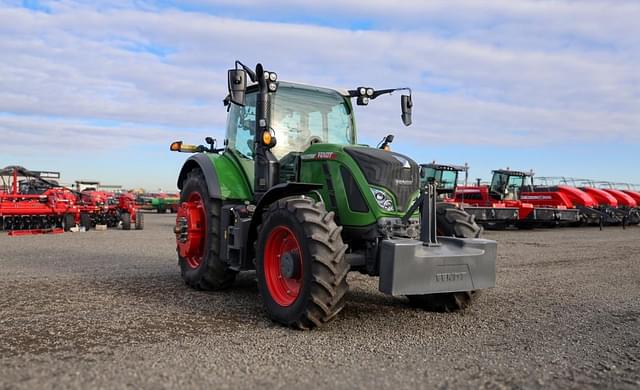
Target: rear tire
{"type": "Point", "coordinates": [68, 221]}
{"type": "Point", "coordinates": [139, 220]}
{"type": "Point", "coordinates": [85, 221]}
{"type": "Point", "coordinates": [126, 221]}
{"type": "Point", "coordinates": [318, 280]}
{"type": "Point", "coordinates": [455, 222]}
{"type": "Point", "coordinates": [210, 273]}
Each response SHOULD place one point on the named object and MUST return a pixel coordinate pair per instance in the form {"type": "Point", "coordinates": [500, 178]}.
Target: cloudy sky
{"type": "Point", "coordinates": [98, 90]}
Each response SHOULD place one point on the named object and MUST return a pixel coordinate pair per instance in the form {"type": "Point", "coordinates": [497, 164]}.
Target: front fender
{"type": "Point", "coordinates": [205, 164]}
{"type": "Point", "coordinates": [276, 192]}
{"type": "Point", "coordinates": [225, 178]}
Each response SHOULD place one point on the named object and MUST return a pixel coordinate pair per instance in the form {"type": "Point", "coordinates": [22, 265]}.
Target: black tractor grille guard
{"type": "Point", "coordinates": [394, 171]}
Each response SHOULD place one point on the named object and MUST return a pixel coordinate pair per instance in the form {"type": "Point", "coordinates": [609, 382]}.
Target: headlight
{"type": "Point", "coordinates": [383, 200]}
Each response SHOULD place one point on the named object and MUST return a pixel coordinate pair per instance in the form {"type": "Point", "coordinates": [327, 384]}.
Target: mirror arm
{"type": "Point", "coordinates": [376, 93]}
{"type": "Point", "coordinates": [386, 91]}
{"type": "Point", "coordinates": [251, 73]}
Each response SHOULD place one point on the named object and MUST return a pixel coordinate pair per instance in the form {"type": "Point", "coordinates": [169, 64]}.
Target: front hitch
{"type": "Point", "coordinates": [435, 264]}
{"type": "Point", "coordinates": [426, 203]}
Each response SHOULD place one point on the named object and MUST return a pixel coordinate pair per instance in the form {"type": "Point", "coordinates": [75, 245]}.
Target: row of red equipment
{"type": "Point", "coordinates": [31, 202]}
{"type": "Point", "coordinates": [514, 198]}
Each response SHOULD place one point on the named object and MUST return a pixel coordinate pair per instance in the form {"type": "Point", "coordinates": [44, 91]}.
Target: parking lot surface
{"type": "Point", "coordinates": [109, 310]}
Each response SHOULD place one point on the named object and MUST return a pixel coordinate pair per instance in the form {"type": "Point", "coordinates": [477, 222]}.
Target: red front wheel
{"type": "Point", "coordinates": [283, 265]}
{"type": "Point", "coordinates": [301, 266]}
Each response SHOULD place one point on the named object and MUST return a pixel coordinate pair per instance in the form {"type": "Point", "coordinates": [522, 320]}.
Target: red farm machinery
{"type": "Point", "coordinates": [33, 202]}
{"type": "Point", "coordinates": [107, 208]}
{"type": "Point", "coordinates": [599, 202]}
{"type": "Point", "coordinates": [445, 178]}
{"type": "Point", "coordinates": [510, 189]}
{"type": "Point", "coordinates": [633, 190]}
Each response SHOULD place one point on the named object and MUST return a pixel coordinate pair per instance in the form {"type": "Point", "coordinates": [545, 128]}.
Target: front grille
{"type": "Point", "coordinates": [393, 171]}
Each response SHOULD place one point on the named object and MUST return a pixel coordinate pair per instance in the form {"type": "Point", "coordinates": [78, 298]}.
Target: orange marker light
{"type": "Point", "coordinates": [387, 148]}
{"type": "Point", "coordinates": [266, 138]}
{"type": "Point", "coordinates": [175, 146]}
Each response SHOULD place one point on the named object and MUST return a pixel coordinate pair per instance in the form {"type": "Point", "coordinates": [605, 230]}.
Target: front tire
{"type": "Point", "coordinates": [301, 266]}
{"type": "Point", "coordinates": [198, 254]}
{"type": "Point", "coordinates": [125, 218]}
{"type": "Point", "coordinates": [454, 222]}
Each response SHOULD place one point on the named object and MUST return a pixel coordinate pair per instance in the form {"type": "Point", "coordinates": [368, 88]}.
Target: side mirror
{"type": "Point", "coordinates": [237, 81]}
{"type": "Point", "coordinates": [405, 101]}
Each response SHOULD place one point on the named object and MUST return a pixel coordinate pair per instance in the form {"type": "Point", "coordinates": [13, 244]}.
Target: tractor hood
{"type": "Point", "coordinates": [393, 171]}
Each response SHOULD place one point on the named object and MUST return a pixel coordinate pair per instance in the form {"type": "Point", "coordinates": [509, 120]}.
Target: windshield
{"type": "Point", "coordinates": [507, 186]}
{"type": "Point", "coordinates": [446, 180]}
{"type": "Point", "coordinates": [303, 115]}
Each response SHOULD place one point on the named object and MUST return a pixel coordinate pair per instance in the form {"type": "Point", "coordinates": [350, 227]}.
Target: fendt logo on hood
{"type": "Point", "coordinates": [402, 182]}
{"type": "Point", "coordinates": [403, 161]}
{"type": "Point", "coordinates": [320, 156]}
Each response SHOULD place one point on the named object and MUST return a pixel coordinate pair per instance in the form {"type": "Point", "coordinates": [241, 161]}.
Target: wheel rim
{"type": "Point", "coordinates": [191, 230]}
{"type": "Point", "coordinates": [283, 266]}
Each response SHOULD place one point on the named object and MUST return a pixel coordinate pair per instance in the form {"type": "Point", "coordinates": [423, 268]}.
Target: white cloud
{"type": "Point", "coordinates": [508, 72]}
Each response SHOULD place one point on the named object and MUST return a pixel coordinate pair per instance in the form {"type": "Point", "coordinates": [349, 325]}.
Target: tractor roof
{"type": "Point", "coordinates": [254, 87]}
{"type": "Point", "coordinates": [343, 92]}
{"type": "Point", "coordinates": [445, 167]}
{"type": "Point", "coordinates": [513, 173]}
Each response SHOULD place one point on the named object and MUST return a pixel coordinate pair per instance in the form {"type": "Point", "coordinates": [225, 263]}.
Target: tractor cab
{"type": "Point", "coordinates": [445, 177]}
{"type": "Point", "coordinates": [298, 116]}
{"type": "Point", "coordinates": [507, 184]}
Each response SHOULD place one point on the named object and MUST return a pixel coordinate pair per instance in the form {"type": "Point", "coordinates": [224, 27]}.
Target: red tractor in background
{"type": "Point", "coordinates": [445, 178]}
{"type": "Point", "coordinates": [515, 189]}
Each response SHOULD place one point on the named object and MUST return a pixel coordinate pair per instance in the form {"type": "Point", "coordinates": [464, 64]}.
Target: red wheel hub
{"type": "Point", "coordinates": [191, 229]}
{"type": "Point", "coordinates": [283, 266]}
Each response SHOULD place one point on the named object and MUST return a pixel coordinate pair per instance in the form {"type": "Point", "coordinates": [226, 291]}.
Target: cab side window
{"type": "Point", "coordinates": [241, 125]}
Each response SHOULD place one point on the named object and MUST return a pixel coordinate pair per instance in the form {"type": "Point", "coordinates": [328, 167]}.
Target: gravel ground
{"type": "Point", "coordinates": [109, 310]}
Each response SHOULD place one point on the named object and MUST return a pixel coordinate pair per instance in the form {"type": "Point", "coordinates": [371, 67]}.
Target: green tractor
{"type": "Point", "coordinates": [293, 196]}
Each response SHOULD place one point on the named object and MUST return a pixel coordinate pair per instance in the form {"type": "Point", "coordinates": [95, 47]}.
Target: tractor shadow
{"type": "Point", "coordinates": [240, 305]}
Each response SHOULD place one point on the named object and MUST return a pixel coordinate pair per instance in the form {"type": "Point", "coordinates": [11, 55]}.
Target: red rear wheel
{"type": "Point", "coordinates": [283, 265]}
{"type": "Point", "coordinates": [191, 229]}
